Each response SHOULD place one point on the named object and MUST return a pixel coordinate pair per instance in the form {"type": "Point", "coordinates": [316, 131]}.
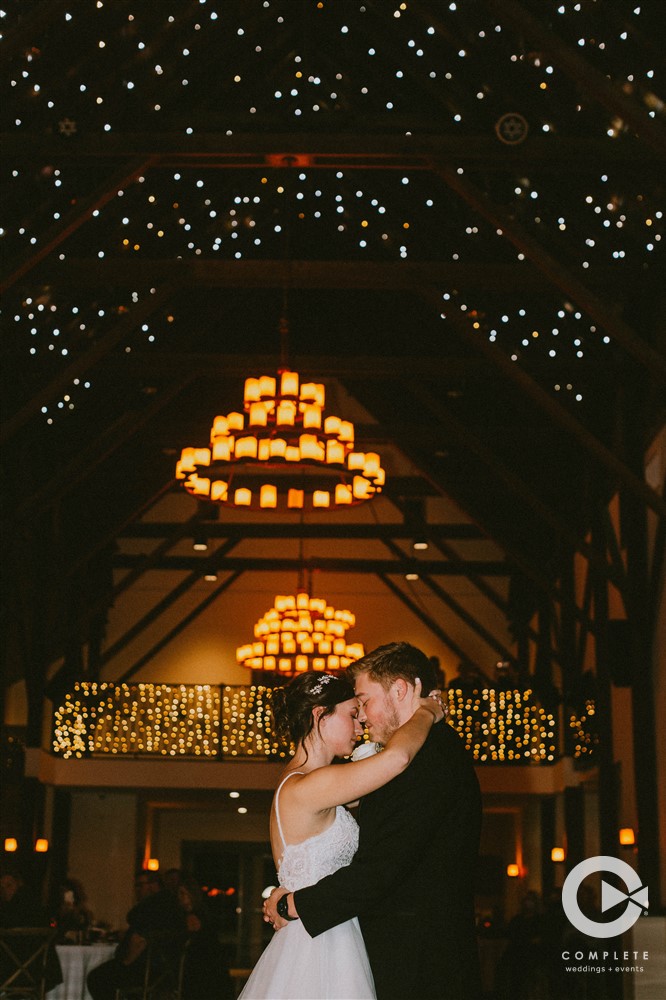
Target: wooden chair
{"type": "Point", "coordinates": [163, 970]}
{"type": "Point", "coordinates": [24, 953]}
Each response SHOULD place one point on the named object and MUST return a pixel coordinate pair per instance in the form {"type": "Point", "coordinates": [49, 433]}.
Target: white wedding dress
{"type": "Point", "coordinates": [332, 966]}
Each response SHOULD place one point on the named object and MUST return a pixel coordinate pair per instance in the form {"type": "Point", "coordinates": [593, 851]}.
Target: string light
{"type": "Point", "coordinates": [501, 726]}
{"type": "Point", "coordinates": [204, 721]}
{"type": "Point", "coordinates": [583, 733]}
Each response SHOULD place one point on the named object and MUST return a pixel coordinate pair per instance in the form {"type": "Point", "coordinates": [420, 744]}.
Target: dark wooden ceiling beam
{"type": "Point", "coordinates": [488, 592]}
{"type": "Point", "coordinates": [83, 211]}
{"type": "Point", "coordinates": [517, 559]}
{"type": "Point", "coordinates": [481, 585]}
{"type": "Point", "coordinates": [605, 314]}
{"type": "Point", "coordinates": [427, 620]}
{"type": "Point", "coordinates": [301, 274]}
{"type": "Point", "coordinates": [31, 22]}
{"type": "Point", "coordinates": [452, 604]}
{"type": "Point", "coordinates": [603, 455]}
{"type": "Point", "coordinates": [435, 567]}
{"type": "Point", "coordinates": [591, 82]}
{"type": "Point", "coordinates": [476, 626]}
{"type": "Point", "coordinates": [86, 361]}
{"type": "Point", "coordinates": [104, 541]}
{"type": "Point", "coordinates": [328, 150]}
{"type": "Point", "coordinates": [508, 480]}
{"type": "Point", "coordinates": [296, 529]}
{"type": "Point", "coordinates": [210, 563]}
{"type": "Point", "coordinates": [177, 629]}
{"type": "Point", "coordinates": [84, 462]}
{"type": "Point", "coordinates": [152, 364]}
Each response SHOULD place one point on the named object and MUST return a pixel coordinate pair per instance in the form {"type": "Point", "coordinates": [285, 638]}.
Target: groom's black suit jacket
{"type": "Point", "coordinates": [411, 882]}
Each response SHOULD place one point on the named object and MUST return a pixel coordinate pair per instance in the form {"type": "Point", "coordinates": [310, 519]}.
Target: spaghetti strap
{"type": "Point", "coordinates": [277, 808]}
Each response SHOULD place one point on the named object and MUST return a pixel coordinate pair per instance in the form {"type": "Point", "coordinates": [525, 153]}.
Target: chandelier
{"type": "Point", "coordinates": [281, 452]}
{"type": "Point", "coordinates": [301, 633]}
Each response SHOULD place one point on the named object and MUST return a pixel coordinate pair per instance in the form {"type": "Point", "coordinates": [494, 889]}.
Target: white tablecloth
{"type": "Point", "coordinates": [76, 961]}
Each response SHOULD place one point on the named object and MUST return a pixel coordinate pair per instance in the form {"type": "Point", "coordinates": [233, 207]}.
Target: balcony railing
{"type": "Point", "coordinates": [206, 721]}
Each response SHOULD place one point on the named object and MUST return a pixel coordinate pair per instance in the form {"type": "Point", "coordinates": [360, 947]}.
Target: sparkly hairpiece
{"type": "Point", "coordinates": [321, 683]}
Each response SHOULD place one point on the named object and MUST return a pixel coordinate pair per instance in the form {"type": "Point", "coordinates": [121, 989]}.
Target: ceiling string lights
{"type": "Point", "coordinates": [282, 451]}
{"type": "Point", "coordinates": [301, 633]}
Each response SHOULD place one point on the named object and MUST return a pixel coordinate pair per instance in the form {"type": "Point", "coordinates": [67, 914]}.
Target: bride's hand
{"type": "Point", "coordinates": [271, 915]}
{"type": "Point", "coordinates": [433, 703]}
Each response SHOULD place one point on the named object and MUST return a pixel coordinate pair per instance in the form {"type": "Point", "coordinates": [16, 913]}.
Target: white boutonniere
{"type": "Point", "coordinates": [364, 750]}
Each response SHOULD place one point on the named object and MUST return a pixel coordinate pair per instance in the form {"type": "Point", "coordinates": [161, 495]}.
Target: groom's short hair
{"type": "Point", "coordinates": [396, 659]}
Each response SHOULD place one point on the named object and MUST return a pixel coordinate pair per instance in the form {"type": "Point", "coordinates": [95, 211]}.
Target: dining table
{"type": "Point", "coordinates": [76, 961]}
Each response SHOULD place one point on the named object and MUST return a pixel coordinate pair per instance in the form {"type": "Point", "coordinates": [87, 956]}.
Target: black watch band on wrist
{"type": "Point", "coordinates": [283, 907]}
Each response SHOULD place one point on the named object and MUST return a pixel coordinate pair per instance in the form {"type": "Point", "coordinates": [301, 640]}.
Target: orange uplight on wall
{"type": "Point", "coordinates": [627, 837]}
{"type": "Point", "coordinates": [41, 845]}
{"type": "Point", "coordinates": [557, 854]}
{"type": "Point", "coordinates": [152, 865]}
{"type": "Point", "coordinates": [513, 871]}
{"type": "Point", "coordinates": [11, 845]}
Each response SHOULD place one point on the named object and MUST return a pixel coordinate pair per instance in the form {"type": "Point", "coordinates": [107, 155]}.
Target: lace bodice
{"type": "Point", "coordinates": [305, 863]}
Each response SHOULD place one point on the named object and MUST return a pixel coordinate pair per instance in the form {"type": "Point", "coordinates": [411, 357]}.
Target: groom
{"type": "Point", "coordinates": [411, 882]}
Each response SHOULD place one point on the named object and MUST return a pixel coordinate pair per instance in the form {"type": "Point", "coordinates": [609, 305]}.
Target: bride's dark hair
{"type": "Point", "coordinates": [292, 705]}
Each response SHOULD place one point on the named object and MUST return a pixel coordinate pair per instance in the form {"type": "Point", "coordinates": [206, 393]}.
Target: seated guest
{"type": "Point", "coordinates": [72, 917]}
{"type": "Point", "coordinates": [19, 907]}
{"type": "Point", "coordinates": [206, 973]}
{"type": "Point", "coordinates": [155, 913]}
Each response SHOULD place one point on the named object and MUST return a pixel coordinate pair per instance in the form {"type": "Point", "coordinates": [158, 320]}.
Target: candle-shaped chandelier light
{"type": "Point", "coordinates": [282, 452]}
{"type": "Point", "coordinates": [301, 633]}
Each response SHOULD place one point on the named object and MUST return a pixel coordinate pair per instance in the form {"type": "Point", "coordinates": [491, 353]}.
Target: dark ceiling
{"type": "Point", "coordinates": [458, 207]}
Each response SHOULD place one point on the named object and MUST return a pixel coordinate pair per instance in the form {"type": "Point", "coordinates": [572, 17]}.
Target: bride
{"type": "Point", "coordinates": [313, 834]}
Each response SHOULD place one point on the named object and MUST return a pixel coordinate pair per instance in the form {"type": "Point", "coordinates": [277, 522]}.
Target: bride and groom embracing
{"type": "Point", "coordinates": [383, 907]}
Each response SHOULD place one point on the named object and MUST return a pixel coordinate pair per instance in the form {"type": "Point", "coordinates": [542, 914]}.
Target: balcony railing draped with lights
{"type": "Point", "coordinates": [205, 721]}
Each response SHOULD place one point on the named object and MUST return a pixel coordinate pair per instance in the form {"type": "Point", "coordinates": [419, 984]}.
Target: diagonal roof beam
{"type": "Point", "coordinates": [480, 584]}
{"type": "Point", "coordinates": [104, 541]}
{"type": "Point", "coordinates": [453, 605]}
{"type": "Point", "coordinates": [86, 361]}
{"type": "Point", "coordinates": [590, 81]}
{"type": "Point", "coordinates": [482, 632]}
{"type": "Point", "coordinates": [555, 410]}
{"type": "Point", "coordinates": [436, 629]}
{"type": "Point", "coordinates": [437, 539]}
{"type": "Point", "coordinates": [85, 461]}
{"type": "Point", "coordinates": [606, 316]}
{"type": "Point", "coordinates": [504, 475]}
{"type": "Point", "coordinates": [74, 219]}
{"type": "Point", "coordinates": [165, 603]}
{"type": "Point", "coordinates": [447, 550]}
{"type": "Point", "coordinates": [177, 629]}
{"type": "Point", "coordinates": [534, 573]}
{"type": "Point", "coordinates": [22, 37]}
{"type": "Point", "coordinates": [325, 564]}
{"type": "Point", "coordinates": [150, 561]}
